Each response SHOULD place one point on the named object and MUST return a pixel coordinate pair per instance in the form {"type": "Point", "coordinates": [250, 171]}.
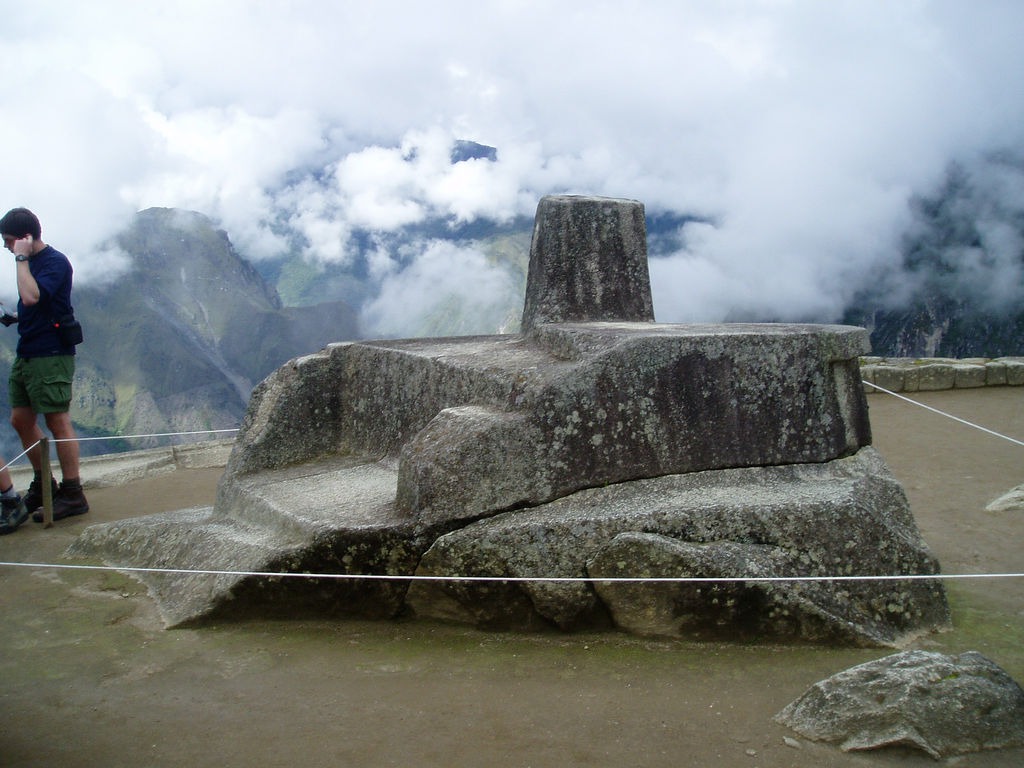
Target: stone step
{"type": "Point", "coordinates": [179, 546]}
{"type": "Point", "coordinates": [193, 539]}
{"type": "Point", "coordinates": [308, 500]}
{"type": "Point", "coordinates": [333, 516]}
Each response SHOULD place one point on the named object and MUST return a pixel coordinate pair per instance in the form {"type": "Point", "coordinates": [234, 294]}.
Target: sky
{"type": "Point", "coordinates": [798, 130]}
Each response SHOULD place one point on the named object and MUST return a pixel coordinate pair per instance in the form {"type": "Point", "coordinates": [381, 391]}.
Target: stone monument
{"type": "Point", "coordinates": [596, 446]}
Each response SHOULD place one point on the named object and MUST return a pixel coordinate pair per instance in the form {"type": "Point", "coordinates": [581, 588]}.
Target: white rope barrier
{"type": "Point", "coordinates": [943, 413]}
{"type": "Point", "coordinates": [153, 434]}
{"type": "Point", "coordinates": [516, 579]}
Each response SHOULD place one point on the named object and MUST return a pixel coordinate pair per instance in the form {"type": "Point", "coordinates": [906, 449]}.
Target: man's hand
{"type": "Point", "coordinates": [23, 246]}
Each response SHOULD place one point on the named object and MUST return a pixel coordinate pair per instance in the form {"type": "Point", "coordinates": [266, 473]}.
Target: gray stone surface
{"type": "Point", "coordinates": [995, 373]}
{"type": "Point", "coordinates": [969, 375]}
{"type": "Point", "coordinates": [893, 379]}
{"type": "Point", "coordinates": [943, 705]}
{"type": "Point", "coordinates": [764, 521]}
{"type": "Point", "coordinates": [334, 516]}
{"type": "Point", "coordinates": [487, 423]}
{"type": "Point", "coordinates": [935, 376]}
{"type": "Point", "coordinates": [469, 428]}
{"type": "Point", "coordinates": [588, 262]}
{"type": "Point", "coordinates": [931, 374]}
{"type": "Point", "coordinates": [1011, 501]}
{"type": "Point", "coordinates": [1015, 372]}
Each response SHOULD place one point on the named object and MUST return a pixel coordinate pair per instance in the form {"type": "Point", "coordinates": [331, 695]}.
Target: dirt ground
{"type": "Point", "coordinates": [88, 676]}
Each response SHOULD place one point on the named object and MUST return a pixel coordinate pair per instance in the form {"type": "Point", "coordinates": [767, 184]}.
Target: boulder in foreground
{"type": "Point", "coordinates": [943, 705]}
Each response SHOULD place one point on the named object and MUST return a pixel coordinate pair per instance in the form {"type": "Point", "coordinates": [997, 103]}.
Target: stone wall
{"type": "Point", "coordinates": [898, 374]}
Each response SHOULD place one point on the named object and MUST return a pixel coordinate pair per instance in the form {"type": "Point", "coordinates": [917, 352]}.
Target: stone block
{"type": "Point", "coordinates": [1014, 371]}
{"type": "Point", "coordinates": [911, 378]}
{"type": "Point", "coordinates": [968, 375]}
{"type": "Point", "coordinates": [588, 262]}
{"type": "Point", "coordinates": [569, 406]}
{"type": "Point", "coordinates": [935, 376]}
{"type": "Point", "coordinates": [889, 377]}
{"type": "Point", "coordinates": [995, 373]}
{"type": "Point", "coordinates": [821, 519]}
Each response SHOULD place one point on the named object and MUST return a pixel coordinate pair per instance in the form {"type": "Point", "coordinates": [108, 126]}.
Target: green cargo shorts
{"type": "Point", "coordinates": [42, 383]}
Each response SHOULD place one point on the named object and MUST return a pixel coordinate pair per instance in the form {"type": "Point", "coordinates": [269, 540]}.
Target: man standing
{"type": "Point", "coordinates": [41, 377]}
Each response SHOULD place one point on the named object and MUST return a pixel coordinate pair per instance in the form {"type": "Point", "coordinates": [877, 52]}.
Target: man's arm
{"type": "Point", "coordinates": [28, 288]}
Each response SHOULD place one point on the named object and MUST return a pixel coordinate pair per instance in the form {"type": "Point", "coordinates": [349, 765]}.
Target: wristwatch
{"type": "Point", "coordinates": [21, 257]}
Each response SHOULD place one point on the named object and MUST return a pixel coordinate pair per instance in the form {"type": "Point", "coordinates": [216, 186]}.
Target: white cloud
{"type": "Point", "coordinates": [443, 283]}
{"type": "Point", "coordinates": [799, 127]}
{"type": "Point", "coordinates": [378, 189]}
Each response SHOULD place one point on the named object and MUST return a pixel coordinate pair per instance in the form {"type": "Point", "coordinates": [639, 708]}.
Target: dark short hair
{"type": "Point", "coordinates": [19, 222]}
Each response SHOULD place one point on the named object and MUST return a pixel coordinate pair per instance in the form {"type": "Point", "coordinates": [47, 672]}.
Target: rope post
{"type": "Point", "coordinates": [46, 473]}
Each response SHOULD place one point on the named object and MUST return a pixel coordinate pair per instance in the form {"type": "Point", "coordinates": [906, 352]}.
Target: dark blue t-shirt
{"type": "Point", "coordinates": [37, 332]}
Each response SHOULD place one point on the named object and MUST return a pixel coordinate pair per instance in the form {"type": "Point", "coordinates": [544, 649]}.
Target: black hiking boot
{"type": "Point", "coordinates": [67, 502]}
{"type": "Point", "coordinates": [34, 495]}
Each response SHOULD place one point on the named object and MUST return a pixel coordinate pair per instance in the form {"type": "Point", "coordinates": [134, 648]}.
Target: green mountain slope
{"type": "Point", "coordinates": [178, 342]}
